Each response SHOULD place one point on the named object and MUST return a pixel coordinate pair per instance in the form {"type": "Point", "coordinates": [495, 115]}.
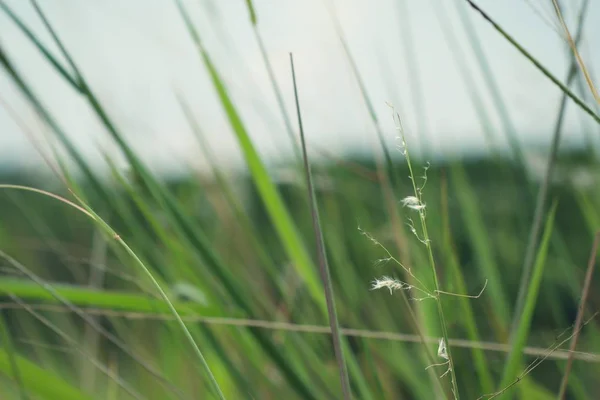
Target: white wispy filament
{"type": "Point", "coordinates": [389, 283]}
{"type": "Point", "coordinates": [413, 203]}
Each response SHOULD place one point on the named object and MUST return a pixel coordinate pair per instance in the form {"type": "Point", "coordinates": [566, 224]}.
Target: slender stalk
{"type": "Point", "coordinates": [579, 320]}
{"type": "Point", "coordinates": [427, 242]}
{"type": "Point", "coordinates": [535, 62]}
{"type": "Point", "coordinates": [573, 46]}
{"type": "Point", "coordinates": [323, 266]}
{"type": "Point", "coordinates": [531, 351]}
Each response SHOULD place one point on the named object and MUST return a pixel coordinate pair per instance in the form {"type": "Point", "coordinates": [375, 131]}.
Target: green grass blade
{"type": "Point", "coordinates": [535, 62]}
{"type": "Point", "coordinates": [323, 264]}
{"type": "Point", "coordinates": [515, 356]}
{"type": "Point", "coordinates": [38, 44]}
{"type": "Point", "coordinates": [83, 296]}
{"type": "Point", "coordinates": [468, 318]}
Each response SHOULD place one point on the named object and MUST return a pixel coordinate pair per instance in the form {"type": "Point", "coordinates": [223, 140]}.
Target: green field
{"type": "Point", "coordinates": [133, 285]}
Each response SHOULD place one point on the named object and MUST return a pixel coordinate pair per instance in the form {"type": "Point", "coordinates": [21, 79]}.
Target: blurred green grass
{"type": "Point", "coordinates": [234, 254]}
{"type": "Point", "coordinates": [54, 242]}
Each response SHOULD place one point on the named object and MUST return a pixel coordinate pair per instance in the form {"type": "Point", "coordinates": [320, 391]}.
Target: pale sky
{"type": "Point", "coordinates": [135, 52]}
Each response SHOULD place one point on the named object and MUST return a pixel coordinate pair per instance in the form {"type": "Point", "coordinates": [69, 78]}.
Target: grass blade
{"type": "Point", "coordinates": [516, 354]}
{"type": "Point", "coordinates": [573, 45]}
{"type": "Point", "coordinates": [323, 266]}
{"type": "Point", "coordinates": [38, 44]}
{"type": "Point", "coordinates": [535, 62]}
{"type": "Point", "coordinates": [579, 320]}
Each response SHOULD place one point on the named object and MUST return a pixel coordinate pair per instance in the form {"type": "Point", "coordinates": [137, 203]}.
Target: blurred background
{"type": "Point", "coordinates": [418, 56]}
{"type": "Point", "coordinates": [175, 122]}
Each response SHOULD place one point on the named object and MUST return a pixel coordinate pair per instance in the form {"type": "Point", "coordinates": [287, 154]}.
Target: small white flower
{"type": "Point", "coordinates": [413, 203]}
{"type": "Point", "coordinates": [442, 352]}
{"type": "Point", "coordinates": [389, 283]}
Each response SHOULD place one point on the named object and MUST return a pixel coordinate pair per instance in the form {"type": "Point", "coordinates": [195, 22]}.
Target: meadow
{"type": "Point", "coordinates": [389, 275]}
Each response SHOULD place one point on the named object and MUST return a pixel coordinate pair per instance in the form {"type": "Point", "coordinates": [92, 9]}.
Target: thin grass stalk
{"type": "Point", "coordinates": [535, 62]}
{"type": "Point", "coordinates": [573, 45]}
{"type": "Point", "coordinates": [434, 272]}
{"type": "Point", "coordinates": [531, 351]}
{"type": "Point", "coordinates": [57, 65]}
{"type": "Point", "coordinates": [537, 362]}
{"type": "Point", "coordinates": [579, 320]}
{"type": "Point", "coordinates": [542, 196]}
{"type": "Point", "coordinates": [322, 257]}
